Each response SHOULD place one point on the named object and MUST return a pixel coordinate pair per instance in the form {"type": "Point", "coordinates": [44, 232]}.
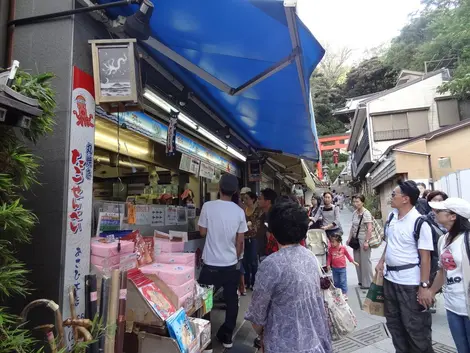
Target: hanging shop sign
{"type": "Point", "coordinates": [171, 135]}
{"type": "Point", "coordinates": [114, 70]}
{"type": "Point", "coordinates": [254, 171]}
{"type": "Point", "coordinates": [144, 125]}
{"type": "Point", "coordinates": [190, 164]}
{"type": "Point", "coordinates": [207, 171]}
{"type": "Point", "coordinates": [80, 192]}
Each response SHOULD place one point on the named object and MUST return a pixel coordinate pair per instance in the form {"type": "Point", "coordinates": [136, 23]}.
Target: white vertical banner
{"type": "Point", "coordinates": [80, 193]}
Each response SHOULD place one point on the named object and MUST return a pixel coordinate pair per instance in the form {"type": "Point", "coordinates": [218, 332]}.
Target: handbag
{"type": "Point", "coordinates": [377, 235]}
{"type": "Point", "coordinates": [354, 242]}
{"type": "Point", "coordinates": [341, 319]}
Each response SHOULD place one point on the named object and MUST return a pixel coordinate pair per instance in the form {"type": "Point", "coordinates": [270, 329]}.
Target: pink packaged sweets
{"type": "Point", "coordinates": [174, 275]}
{"type": "Point", "coordinates": [103, 261]}
{"type": "Point", "coordinates": [168, 246]}
{"type": "Point", "coordinates": [100, 247]}
{"type": "Point", "coordinates": [188, 259]}
{"type": "Point", "coordinates": [113, 260]}
{"type": "Point", "coordinates": [183, 289]}
{"type": "Point", "coordinates": [186, 302]}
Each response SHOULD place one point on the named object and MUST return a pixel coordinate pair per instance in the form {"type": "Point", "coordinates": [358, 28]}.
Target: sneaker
{"type": "Point", "coordinates": [257, 342]}
{"type": "Point", "coordinates": [226, 342]}
{"type": "Point", "coordinates": [244, 293]}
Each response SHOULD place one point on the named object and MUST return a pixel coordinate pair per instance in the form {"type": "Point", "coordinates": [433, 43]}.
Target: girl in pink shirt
{"type": "Point", "coordinates": [337, 254]}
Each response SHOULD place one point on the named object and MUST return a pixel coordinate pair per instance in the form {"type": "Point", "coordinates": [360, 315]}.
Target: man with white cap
{"type": "Point", "coordinates": [245, 190]}
{"type": "Point", "coordinates": [454, 272]}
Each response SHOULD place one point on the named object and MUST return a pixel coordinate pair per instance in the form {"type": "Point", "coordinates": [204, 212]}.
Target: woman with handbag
{"type": "Point", "coordinates": [330, 215]}
{"type": "Point", "coordinates": [359, 236]}
{"type": "Point", "coordinates": [315, 214]}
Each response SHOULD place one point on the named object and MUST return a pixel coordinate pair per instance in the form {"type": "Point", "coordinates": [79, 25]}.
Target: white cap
{"type": "Point", "coordinates": [245, 190]}
{"type": "Point", "coordinates": [453, 204]}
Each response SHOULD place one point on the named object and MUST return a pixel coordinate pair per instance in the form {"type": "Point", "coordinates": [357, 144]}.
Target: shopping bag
{"type": "Point", "coordinates": [377, 235]}
{"type": "Point", "coordinates": [374, 302]}
{"type": "Point", "coordinates": [341, 319]}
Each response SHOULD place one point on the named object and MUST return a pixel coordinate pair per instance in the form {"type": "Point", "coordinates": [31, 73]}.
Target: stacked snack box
{"type": "Point", "coordinates": [106, 253]}
{"type": "Point", "coordinates": [175, 268]}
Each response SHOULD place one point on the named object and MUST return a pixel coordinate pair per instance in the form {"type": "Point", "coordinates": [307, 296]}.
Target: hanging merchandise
{"type": "Point", "coordinates": [171, 216]}
{"type": "Point", "coordinates": [109, 221]}
{"type": "Point", "coordinates": [143, 215]}
{"type": "Point", "coordinates": [158, 216]}
{"type": "Point", "coordinates": [171, 136]}
{"type": "Point", "coordinates": [182, 215]}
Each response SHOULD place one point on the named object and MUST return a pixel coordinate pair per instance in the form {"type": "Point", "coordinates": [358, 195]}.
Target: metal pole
{"type": "Point", "coordinates": [49, 16]}
{"type": "Point", "coordinates": [431, 180]}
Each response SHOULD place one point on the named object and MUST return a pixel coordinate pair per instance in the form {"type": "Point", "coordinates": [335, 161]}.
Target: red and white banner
{"type": "Point", "coordinates": [80, 193]}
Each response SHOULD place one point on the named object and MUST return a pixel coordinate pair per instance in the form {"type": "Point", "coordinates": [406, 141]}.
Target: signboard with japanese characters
{"type": "Point", "coordinates": [207, 171]}
{"type": "Point", "coordinates": [80, 192]}
{"type": "Point", "coordinates": [254, 171]}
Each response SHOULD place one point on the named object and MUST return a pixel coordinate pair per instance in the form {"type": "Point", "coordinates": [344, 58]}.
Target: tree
{"type": "Point", "coordinates": [334, 65]}
{"type": "Point", "coordinates": [325, 99]}
{"type": "Point", "coordinates": [370, 76]}
{"type": "Point", "coordinates": [439, 37]}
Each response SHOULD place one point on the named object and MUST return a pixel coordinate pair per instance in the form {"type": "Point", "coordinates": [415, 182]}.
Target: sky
{"type": "Point", "coordinates": [357, 24]}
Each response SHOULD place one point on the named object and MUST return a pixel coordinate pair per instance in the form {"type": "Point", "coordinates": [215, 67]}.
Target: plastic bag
{"type": "Point", "coordinates": [342, 320]}
{"type": "Point", "coordinates": [374, 302]}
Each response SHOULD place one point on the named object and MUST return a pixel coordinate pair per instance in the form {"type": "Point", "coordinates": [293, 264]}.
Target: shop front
{"type": "Point", "coordinates": [125, 196]}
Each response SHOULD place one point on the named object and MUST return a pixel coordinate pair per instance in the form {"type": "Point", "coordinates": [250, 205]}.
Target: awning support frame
{"type": "Point", "coordinates": [188, 65]}
{"type": "Point", "coordinates": [289, 8]}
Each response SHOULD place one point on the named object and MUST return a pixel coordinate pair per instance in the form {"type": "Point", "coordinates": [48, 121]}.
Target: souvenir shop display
{"type": "Point", "coordinates": [148, 283]}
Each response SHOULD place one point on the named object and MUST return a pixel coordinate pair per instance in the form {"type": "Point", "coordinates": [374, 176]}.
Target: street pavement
{"type": "Point", "coordinates": [370, 336]}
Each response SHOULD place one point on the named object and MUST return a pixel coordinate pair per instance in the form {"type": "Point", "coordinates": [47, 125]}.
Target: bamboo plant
{"type": "Point", "coordinates": [19, 168]}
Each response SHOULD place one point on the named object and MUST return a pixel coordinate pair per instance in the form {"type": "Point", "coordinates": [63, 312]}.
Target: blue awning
{"type": "Point", "coordinates": [235, 42]}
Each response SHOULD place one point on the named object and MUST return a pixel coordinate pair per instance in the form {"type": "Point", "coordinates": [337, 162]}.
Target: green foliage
{"type": "Point", "coordinates": [14, 338]}
{"type": "Point", "coordinates": [372, 203]}
{"type": "Point", "coordinates": [18, 173]}
{"type": "Point", "coordinates": [327, 158]}
{"type": "Point", "coordinates": [370, 76]}
{"type": "Point", "coordinates": [38, 87]}
{"type": "Point", "coordinates": [326, 97]}
{"type": "Point", "coordinates": [438, 35]}
{"type": "Point", "coordinates": [334, 171]}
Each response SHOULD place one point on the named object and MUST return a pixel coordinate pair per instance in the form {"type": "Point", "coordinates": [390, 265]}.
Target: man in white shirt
{"type": "Point", "coordinates": [223, 224]}
{"type": "Point", "coordinates": [407, 262]}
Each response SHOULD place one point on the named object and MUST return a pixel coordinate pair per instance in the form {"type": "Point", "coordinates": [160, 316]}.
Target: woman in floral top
{"type": "Point", "coordinates": [253, 220]}
{"type": "Point", "coordinates": [287, 308]}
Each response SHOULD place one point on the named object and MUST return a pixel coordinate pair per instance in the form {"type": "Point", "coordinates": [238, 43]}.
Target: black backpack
{"type": "Point", "coordinates": [422, 206]}
{"type": "Point", "coordinates": [436, 234]}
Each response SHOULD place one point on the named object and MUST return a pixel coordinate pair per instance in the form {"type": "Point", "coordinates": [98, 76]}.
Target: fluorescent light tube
{"type": "Point", "coordinates": [187, 121]}
{"type": "Point", "coordinates": [192, 124]}
{"type": "Point", "coordinates": [158, 101]}
{"type": "Point", "coordinates": [236, 154]}
{"type": "Point", "coordinates": [211, 137]}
